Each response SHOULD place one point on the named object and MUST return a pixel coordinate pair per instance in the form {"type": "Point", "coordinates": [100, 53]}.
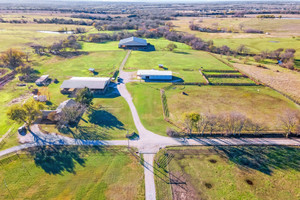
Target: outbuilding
{"type": "Point", "coordinates": [42, 80]}
{"type": "Point", "coordinates": [133, 43]}
{"type": "Point", "coordinates": [155, 75]}
{"type": "Point", "coordinates": [97, 85]}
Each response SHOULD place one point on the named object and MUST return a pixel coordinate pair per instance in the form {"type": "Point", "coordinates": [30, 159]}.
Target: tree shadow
{"type": "Point", "coordinates": [181, 52]}
{"type": "Point", "coordinates": [71, 54]}
{"type": "Point", "coordinates": [58, 159]}
{"type": "Point", "coordinates": [105, 119]}
{"type": "Point", "coordinates": [263, 159]}
{"type": "Point", "coordinates": [90, 133]}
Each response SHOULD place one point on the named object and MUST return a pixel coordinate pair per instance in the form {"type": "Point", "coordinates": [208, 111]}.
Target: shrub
{"type": "Point", "coordinates": [172, 133]}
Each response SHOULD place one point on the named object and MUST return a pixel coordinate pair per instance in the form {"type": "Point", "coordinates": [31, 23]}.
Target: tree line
{"type": "Point", "coordinates": [234, 123]}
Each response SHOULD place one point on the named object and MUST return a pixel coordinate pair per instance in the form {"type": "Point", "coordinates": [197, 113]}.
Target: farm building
{"type": "Point", "coordinates": [55, 115]}
{"type": "Point", "coordinates": [98, 85]}
{"type": "Point", "coordinates": [133, 43]}
{"type": "Point", "coordinates": [155, 75]}
{"type": "Point", "coordinates": [42, 80]}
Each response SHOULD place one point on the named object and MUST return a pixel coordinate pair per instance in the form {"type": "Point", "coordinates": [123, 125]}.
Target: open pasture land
{"type": "Point", "coordinates": [284, 33]}
{"type": "Point", "coordinates": [23, 35]}
{"type": "Point", "coordinates": [229, 172]}
{"type": "Point", "coordinates": [72, 173]}
{"type": "Point", "coordinates": [259, 103]}
{"type": "Point", "coordinates": [185, 63]}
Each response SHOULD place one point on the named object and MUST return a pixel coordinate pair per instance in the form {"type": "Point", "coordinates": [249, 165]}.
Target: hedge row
{"type": "Point", "coordinates": [164, 103]}
{"type": "Point", "coordinates": [225, 75]}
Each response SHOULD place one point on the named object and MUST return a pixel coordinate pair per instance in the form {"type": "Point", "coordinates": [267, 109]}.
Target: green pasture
{"type": "Point", "coordinates": [230, 80]}
{"type": "Point", "coordinates": [259, 103]}
{"type": "Point", "coordinates": [72, 173]}
{"type": "Point", "coordinates": [232, 172]}
{"type": "Point", "coordinates": [146, 98]}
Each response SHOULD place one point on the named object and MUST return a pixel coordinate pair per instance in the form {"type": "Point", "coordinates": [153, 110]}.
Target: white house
{"type": "Point", "coordinates": [133, 42]}
{"type": "Point", "coordinates": [155, 75]}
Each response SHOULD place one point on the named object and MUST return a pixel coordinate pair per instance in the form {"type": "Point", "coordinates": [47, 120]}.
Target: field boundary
{"type": "Point", "coordinates": [164, 104]}
{"type": "Point", "coordinates": [204, 76]}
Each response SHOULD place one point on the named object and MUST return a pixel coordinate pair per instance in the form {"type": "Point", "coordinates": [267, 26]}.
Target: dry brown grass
{"type": "Point", "coordinates": [285, 81]}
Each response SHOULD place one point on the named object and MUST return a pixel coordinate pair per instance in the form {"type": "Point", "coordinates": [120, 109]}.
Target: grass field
{"type": "Point", "coordinates": [251, 172]}
{"type": "Point", "coordinates": [72, 173]}
{"type": "Point", "coordinates": [230, 80]}
{"type": "Point", "coordinates": [146, 98]}
{"type": "Point", "coordinates": [110, 120]}
{"type": "Point", "coordinates": [283, 32]}
{"type": "Point", "coordinates": [259, 103]}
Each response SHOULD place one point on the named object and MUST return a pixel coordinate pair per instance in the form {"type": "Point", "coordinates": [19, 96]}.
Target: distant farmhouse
{"type": "Point", "coordinates": [42, 80]}
{"type": "Point", "coordinates": [155, 75]}
{"type": "Point", "coordinates": [97, 85]}
{"type": "Point", "coordinates": [133, 43]}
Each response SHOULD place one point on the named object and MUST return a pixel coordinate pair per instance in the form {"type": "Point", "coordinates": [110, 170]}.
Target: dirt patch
{"type": "Point", "coordinates": [20, 99]}
{"type": "Point", "coordinates": [213, 161]}
{"type": "Point", "coordinates": [208, 185]}
{"type": "Point", "coordinates": [249, 182]}
{"type": "Point", "coordinates": [182, 189]}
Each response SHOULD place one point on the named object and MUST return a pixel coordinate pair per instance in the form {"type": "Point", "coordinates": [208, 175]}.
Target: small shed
{"type": "Point", "coordinates": [155, 75]}
{"type": "Point", "coordinates": [42, 80]}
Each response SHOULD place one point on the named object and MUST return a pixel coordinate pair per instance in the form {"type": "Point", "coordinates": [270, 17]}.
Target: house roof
{"type": "Point", "coordinates": [133, 41]}
{"type": "Point", "coordinates": [65, 104]}
{"type": "Point", "coordinates": [42, 78]}
{"type": "Point", "coordinates": [153, 72]}
{"type": "Point", "coordinates": [86, 82]}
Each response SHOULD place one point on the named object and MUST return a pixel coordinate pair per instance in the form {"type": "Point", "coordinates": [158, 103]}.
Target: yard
{"type": "Point", "coordinates": [72, 173]}
{"type": "Point", "coordinates": [228, 172]}
{"type": "Point", "coordinates": [110, 119]}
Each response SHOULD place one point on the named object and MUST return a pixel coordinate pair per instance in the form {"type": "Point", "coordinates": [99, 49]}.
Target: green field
{"type": "Point", "coordinates": [110, 119]}
{"type": "Point", "coordinates": [146, 98]}
{"type": "Point", "coordinates": [251, 172]}
{"type": "Point", "coordinates": [283, 32]}
{"type": "Point", "coordinates": [230, 80]}
{"type": "Point", "coordinates": [259, 103]}
{"type": "Point", "coordinates": [72, 173]}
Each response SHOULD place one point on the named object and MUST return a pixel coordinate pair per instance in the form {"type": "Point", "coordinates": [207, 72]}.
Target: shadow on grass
{"type": "Point", "coordinates": [58, 159]}
{"type": "Point", "coordinates": [181, 52]}
{"type": "Point", "coordinates": [263, 159]}
{"type": "Point", "coordinates": [105, 119]}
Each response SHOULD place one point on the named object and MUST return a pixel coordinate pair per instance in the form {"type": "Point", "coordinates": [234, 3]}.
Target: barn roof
{"type": "Point", "coordinates": [134, 41]}
{"type": "Point", "coordinates": [153, 72]}
{"type": "Point", "coordinates": [86, 82]}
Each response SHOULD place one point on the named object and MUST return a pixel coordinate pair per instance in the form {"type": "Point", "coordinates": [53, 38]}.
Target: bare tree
{"type": "Point", "coordinates": [233, 122]}
{"type": "Point", "coordinates": [202, 124]}
{"type": "Point", "coordinates": [289, 121]}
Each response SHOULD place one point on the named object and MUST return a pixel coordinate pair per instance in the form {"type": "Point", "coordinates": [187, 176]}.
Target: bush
{"type": "Point", "coordinates": [172, 133]}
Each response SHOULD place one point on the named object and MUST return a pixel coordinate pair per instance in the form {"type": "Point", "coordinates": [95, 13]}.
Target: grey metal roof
{"type": "Point", "coordinates": [65, 104]}
{"type": "Point", "coordinates": [86, 82]}
{"type": "Point", "coordinates": [153, 72]}
{"type": "Point", "coordinates": [42, 78]}
{"type": "Point", "coordinates": [133, 41]}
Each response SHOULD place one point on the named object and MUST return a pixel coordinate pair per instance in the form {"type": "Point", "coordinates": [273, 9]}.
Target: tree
{"type": "Point", "coordinates": [289, 120]}
{"type": "Point", "coordinates": [71, 115]}
{"type": "Point", "coordinates": [242, 49]}
{"type": "Point", "coordinates": [233, 122]}
{"type": "Point", "coordinates": [190, 120]}
{"type": "Point", "coordinates": [171, 46]}
{"type": "Point", "coordinates": [85, 97]}
{"type": "Point", "coordinates": [202, 123]}
{"type": "Point", "coordinates": [25, 70]}
{"type": "Point", "coordinates": [27, 113]}
{"type": "Point", "coordinates": [12, 58]}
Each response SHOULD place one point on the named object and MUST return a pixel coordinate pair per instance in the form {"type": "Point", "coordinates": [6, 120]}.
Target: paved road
{"type": "Point", "coordinates": [148, 144]}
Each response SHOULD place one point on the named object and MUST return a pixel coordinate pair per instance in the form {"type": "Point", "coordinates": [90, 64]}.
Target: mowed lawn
{"type": "Point", "coordinates": [104, 63]}
{"type": "Point", "coordinates": [146, 98]}
{"type": "Point", "coordinates": [259, 103]}
{"type": "Point", "coordinates": [109, 119]}
{"type": "Point", "coordinates": [232, 172]}
{"type": "Point", "coordinates": [72, 173]}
